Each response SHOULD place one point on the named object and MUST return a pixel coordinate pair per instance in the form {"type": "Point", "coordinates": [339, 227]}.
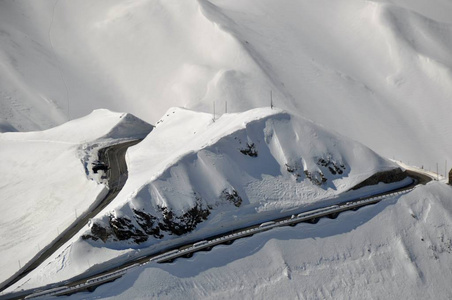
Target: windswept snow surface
{"type": "Point", "coordinates": [400, 248]}
{"type": "Point", "coordinates": [177, 168]}
{"type": "Point", "coordinates": [45, 180]}
{"type": "Point", "coordinates": [377, 71]}
{"type": "Point", "coordinates": [175, 161]}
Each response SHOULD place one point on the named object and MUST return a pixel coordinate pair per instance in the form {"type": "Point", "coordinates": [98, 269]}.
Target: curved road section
{"type": "Point", "coordinates": [89, 283]}
{"type": "Point", "coordinates": [112, 156]}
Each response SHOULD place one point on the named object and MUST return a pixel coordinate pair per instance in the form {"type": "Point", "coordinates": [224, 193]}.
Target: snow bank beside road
{"type": "Point", "coordinates": [44, 184]}
{"type": "Point", "coordinates": [188, 182]}
{"type": "Point", "coordinates": [399, 248]}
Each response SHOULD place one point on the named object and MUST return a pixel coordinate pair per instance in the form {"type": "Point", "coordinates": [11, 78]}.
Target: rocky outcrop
{"type": "Point", "coordinates": [250, 150]}
{"type": "Point", "coordinates": [142, 225]}
{"type": "Point", "coordinates": [232, 196]}
{"type": "Point", "coordinates": [390, 176]}
{"type": "Point", "coordinates": [317, 177]}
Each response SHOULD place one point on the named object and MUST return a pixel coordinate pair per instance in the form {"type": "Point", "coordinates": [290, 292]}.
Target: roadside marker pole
{"type": "Point", "coordinates": [271, 99]}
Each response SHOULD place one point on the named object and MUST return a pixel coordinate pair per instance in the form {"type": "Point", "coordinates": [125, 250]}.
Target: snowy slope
{"type": "Point", "coordinates": [242, 164]}
{"type": "Point", "coordinates": [189, 182]}
{"type": "Point", "coordinates": [398, 249]}
{"type": "Point", "coordinates": [44, 184]}
{"type": "Point", "coordinates": [377, 71]}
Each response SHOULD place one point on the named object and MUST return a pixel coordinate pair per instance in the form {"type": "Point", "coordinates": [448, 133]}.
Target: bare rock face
{"type": "Point", "coordinates": [317, 177]}
{"type": "Point", "coordinates": [390, 176]}
{"type": "Point", "coordinates": [142, 225]}
{"type": "Point", "coordinates": [333, 167]}
{"type": "Point", "coordinates": [250, 150]}
{"type": "Point", "coordinates": [232, 196]}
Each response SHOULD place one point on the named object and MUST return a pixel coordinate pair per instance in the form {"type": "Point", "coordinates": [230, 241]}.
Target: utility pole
{"type": "Point", "coordinates": [271, 99]}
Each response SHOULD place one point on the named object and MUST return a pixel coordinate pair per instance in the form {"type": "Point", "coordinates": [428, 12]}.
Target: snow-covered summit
{"type": "Point", "coordinates": [228, 170]}
{"type": "Point", "coordinates": [372, 70]}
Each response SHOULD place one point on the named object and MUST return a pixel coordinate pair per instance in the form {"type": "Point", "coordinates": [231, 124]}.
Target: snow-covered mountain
{"type": "Point", "coordinates": [397, 249]}
{"type": "Point", "coordinates": [213, 176]}
{"type": "Point", "coordinates": [376, 71]}
{"type": "Point", "coordinates": [45, 180]}
{"type": "Point", "coordinates": [230, 170]}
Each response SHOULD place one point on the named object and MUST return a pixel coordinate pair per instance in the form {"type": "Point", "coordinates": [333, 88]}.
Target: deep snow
{"type": "Point", "coordinates": [376, 71]}
{"type": "Point", "coordinates": [400, 248]}
{"type": "Point", "coordinates": [47, 181]}
{"type": "Point", "coordinates": [178, 168]}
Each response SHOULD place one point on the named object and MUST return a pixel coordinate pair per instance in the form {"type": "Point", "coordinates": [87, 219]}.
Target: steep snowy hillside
{"type": "Point", "coordinates": [398, 249]}
{"type": "Point", "coordinates": [44, 182]}
{"type": "Point", "coordinates": [189, 182]}
{"type": "Point", "coordinates": [258, 161]}
{"type": "Point", "coordinates": [377, 71]}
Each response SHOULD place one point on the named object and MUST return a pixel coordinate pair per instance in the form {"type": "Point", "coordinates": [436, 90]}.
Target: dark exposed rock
{"type": "Point", "coordinates": [290, 169]}
{"type": "Point", "coordinates": [97, 232]}
{"type": "Point", "coordinates": [148, 222]}
{"type": "Point", "coordinates": [390, 176]}
{"type": "Point", "coordinates": [147, 225]}
{"type": "Point", "coordinates": [123, 229]}
{"type": "Point", "coordinates": [250, 150]}
{"type": "Point", "coordinates": [332, 166]}
{"type": "Point", "coordinates": [232, 197]}
{"type": "Point", "coordinates": [316, 177]}
{"type": "Point", "coordinates": [294, 170]}
{"type": "Point", "coordinates": [185, 223]}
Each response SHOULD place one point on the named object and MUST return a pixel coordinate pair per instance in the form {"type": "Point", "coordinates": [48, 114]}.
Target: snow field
{"type": "Point", "coordinates": [44, 181]}
{"type": "Point", "coordinates": [177, 167]}
{"type": "Point", "coordinates": [375, 71]}
{"type": "Point", "coordinates": [398, 248]}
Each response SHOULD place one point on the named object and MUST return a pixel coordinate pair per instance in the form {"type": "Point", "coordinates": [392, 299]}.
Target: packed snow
{"type": "Point", "coordinates": [45, 180]}
{"type": "Point", "coordinates": [189, 182]}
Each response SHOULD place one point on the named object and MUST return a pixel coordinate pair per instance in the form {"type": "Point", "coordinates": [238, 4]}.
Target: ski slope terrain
{"type": "Point", "coordinates": [376, 71]}
{"type": "Point", "coordinates": [47, 181]}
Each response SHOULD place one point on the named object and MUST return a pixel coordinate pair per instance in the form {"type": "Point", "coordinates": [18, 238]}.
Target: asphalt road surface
{"type": "Point", "coordinates": [114, 157]}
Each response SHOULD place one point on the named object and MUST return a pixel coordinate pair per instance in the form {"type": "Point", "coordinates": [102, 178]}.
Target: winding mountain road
{"type": "Point", "coordinates": [113, 156]}
{"type": "Point", "coordinates": [118, 174]}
